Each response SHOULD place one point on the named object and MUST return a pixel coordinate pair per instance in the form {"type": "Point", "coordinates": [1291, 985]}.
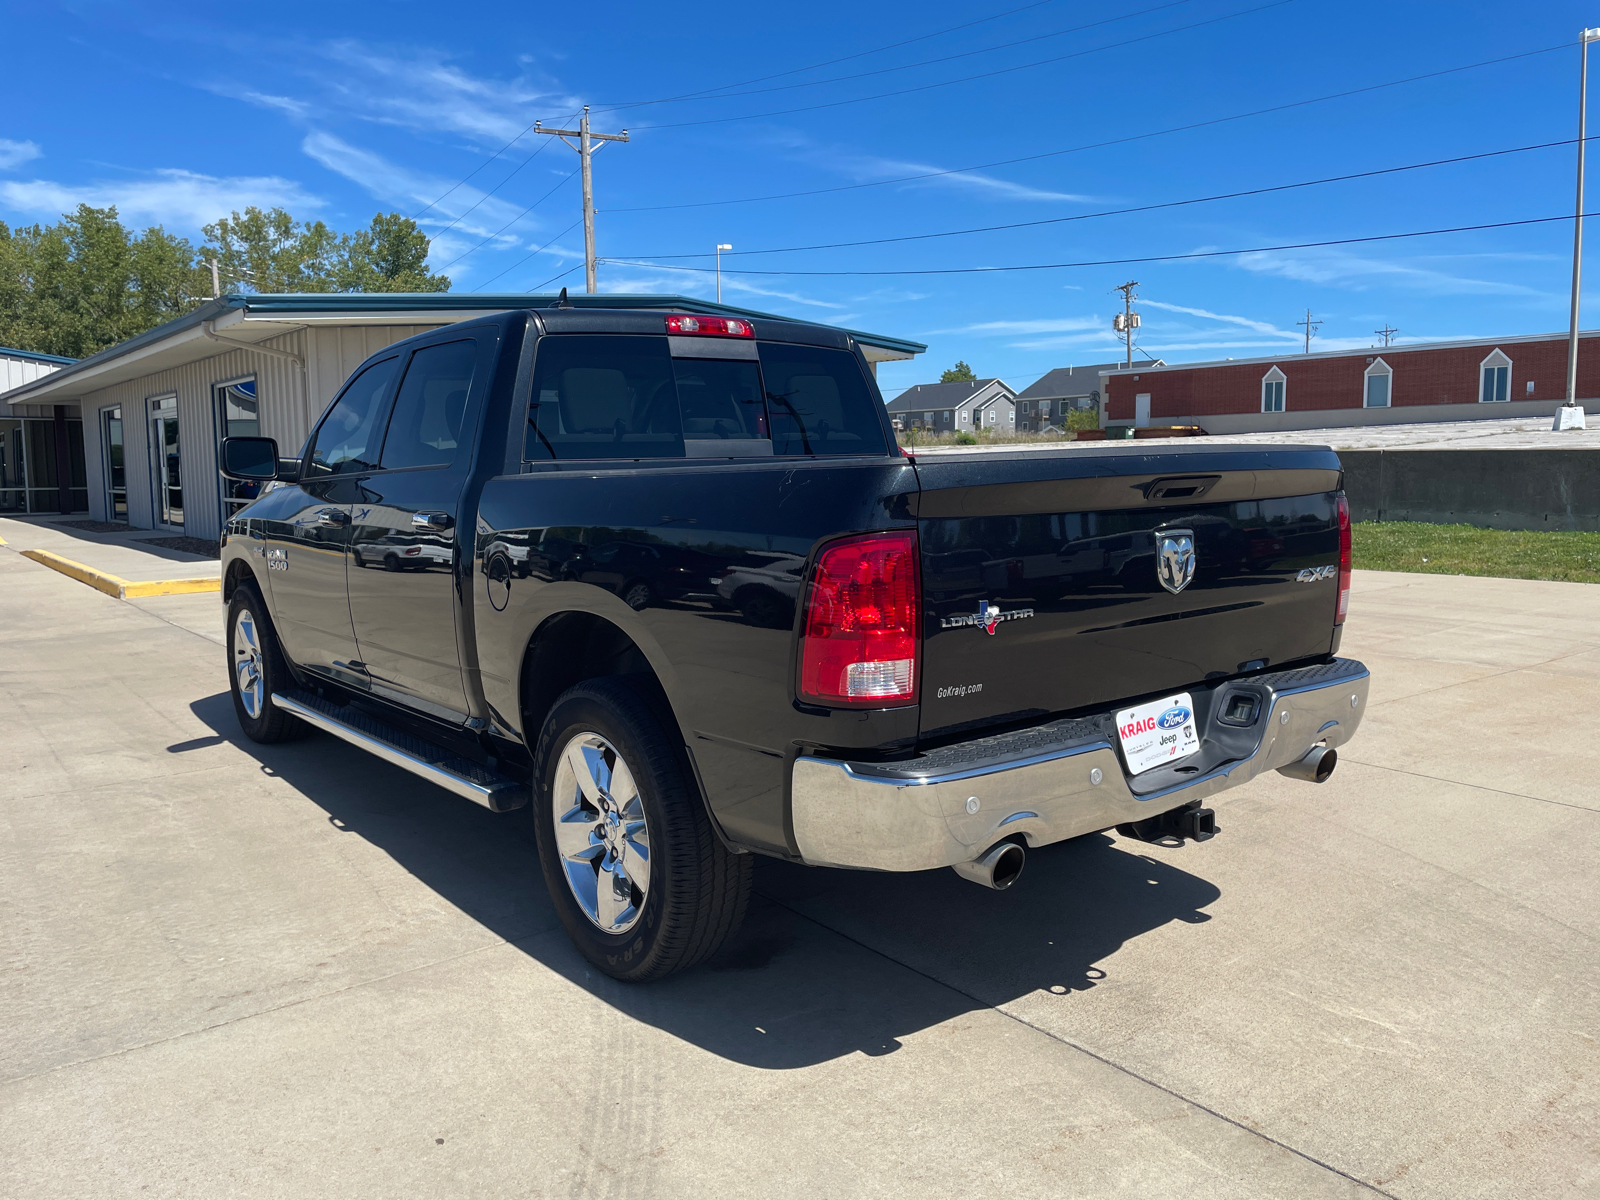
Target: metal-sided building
{"type": "Point", "coordinates": [41, 452]}
{"type": "Point", "coordinates": [153, 410]}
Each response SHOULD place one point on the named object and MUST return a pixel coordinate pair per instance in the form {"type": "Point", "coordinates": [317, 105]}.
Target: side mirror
{"type": "Point", "coordinates": [255, 460]}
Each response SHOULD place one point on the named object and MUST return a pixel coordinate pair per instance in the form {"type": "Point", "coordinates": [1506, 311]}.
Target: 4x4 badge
{"type": "Point", "coordinates": [986, 618]}
{"type": "Point", "coordinates": [1175, 558]}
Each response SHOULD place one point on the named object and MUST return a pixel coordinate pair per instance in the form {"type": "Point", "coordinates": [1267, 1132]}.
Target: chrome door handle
{"type": "Point", "coordinates": [431, 520]}
{"type": "Point", "coordinates": [333, 518]}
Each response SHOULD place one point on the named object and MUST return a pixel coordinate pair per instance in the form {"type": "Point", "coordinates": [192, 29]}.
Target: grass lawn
{"type": "Point", "coordinates": [1468, 550]}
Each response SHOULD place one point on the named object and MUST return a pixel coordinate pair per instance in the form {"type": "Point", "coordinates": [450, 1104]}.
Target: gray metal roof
{"type": "Point", "coordinates": [941, 395]}
{"type": "Point", "coordinates": [1066, 381]}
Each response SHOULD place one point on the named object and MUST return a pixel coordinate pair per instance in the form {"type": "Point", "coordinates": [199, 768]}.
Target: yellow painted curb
{"type": "Point", "coordinates": [115, 585]}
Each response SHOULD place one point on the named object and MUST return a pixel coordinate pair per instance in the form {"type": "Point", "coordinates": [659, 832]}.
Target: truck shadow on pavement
{"type": "Point", "coordinates": [828, 963]}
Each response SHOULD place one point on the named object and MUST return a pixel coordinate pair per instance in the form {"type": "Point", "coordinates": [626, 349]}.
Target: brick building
{"type": "Point", "coordinates": [1442, 381]}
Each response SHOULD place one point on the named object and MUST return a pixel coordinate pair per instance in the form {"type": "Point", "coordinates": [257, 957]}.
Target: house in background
{"type": "Point", "coordinates": [41, 446]}
{"type": "Point", "coordinates": [956, 407]}
{"type": "Point", "coordinates": [145, 418]}
{"type": "Point", "coordinates": [1465, 380]}
{"type": "Point", "coordinates": [1049, 399]}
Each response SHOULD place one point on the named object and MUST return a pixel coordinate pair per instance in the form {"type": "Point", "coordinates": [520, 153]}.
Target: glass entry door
{"type": "Point", "coordinates": [238, 417]}
{"type": "Point", "coordinates": [165, 461]}
{"type": "Point", "coordinates": [116, 470]}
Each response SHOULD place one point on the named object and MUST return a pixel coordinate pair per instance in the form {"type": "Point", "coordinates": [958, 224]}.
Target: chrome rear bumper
{"type": "Point", "coordinates": [896, 817]}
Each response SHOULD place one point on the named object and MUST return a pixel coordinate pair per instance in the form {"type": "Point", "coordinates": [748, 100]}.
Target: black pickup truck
{"type": "Point", "coordinates": [668, 577]}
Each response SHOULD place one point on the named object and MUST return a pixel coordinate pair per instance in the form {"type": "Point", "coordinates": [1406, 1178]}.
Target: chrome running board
{"type": "Point", "coordinates": [424, 759]}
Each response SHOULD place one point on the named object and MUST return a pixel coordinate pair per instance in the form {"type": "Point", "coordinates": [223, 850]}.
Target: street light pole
{"type": "Point", "coordinates": [1570, 416]}
{"type": "Point", "coordinates": [720, 248]}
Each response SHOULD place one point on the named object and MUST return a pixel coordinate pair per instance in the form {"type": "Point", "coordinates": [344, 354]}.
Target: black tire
{"type": "Point", "coordinates": [269, 723]}
{"type": "Point", "coordinates": [765, 607]}
{"type": "Point", "coordinates": [391, 561]}
{"type": "Point", "coordinates": [638, 595]}
{"type": "Point", "coordinates": [698, 890]}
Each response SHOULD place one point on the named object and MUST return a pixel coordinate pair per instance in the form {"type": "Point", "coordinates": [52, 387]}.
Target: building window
{"type": "Point", "coordinates": [1494, 385]}
{"type": "Point", "coordinates": [116, 467]}
{"type": "Point", "coordinates": [1272, 385]}
{"type": "Point", "coordinates": [237, 416]}
{"type": "Point", "coordinates": [1378, 378]}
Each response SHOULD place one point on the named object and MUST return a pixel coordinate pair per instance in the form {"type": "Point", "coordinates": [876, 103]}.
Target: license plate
{"type": "Point", "coordinates": [1158, 733]}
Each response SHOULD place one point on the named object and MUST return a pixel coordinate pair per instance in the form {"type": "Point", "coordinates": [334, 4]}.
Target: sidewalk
{"type": "Point", "coordinates": [182, 589]}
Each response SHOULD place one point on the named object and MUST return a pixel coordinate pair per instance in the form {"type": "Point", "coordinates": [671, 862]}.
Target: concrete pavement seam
{"type": "Point", "coordinates": [1116, 1066]}
{"type": "Point", "coordinates": [1445, 687]}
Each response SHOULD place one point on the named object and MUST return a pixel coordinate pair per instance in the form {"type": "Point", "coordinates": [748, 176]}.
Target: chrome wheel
{"type": "Point", "coordinates": [601, 835]}
{"type": "Point", "coordinates": [247, 663]}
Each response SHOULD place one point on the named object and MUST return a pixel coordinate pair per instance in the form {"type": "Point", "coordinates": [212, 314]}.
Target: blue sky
{"type": "Point", "coordinates": [178, 114]}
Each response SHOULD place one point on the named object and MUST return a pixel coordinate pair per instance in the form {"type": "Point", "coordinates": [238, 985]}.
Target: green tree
{"type": "Point", "coordinates": [269, 251]}
{"type": "Point", "coordinates": [391, 255]}
{"type": "Point", "coordinates": [86, 282]}
{"type": "Point", "coordinates": [960, 373]}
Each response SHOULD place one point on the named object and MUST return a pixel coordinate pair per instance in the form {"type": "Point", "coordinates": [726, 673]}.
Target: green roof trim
{"type": "Point", "coordinates": [288, 305]}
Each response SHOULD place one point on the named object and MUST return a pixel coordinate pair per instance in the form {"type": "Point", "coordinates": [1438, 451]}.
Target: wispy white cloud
{"type": "Point", "coordinates": [1045, 325]}
{"type": "Point", "coordinates": [14, 154]}
{"type": "Point", "coordinates": [1226, 318]}
{"type": "Point", "coordinates": [1336, 268]}
{"type": "Point", "coordinates": [184, 199]}
{"type": "Point", "coordinates": [422, 89]}
{"type": "Point", "coordinates": [683, 279]}
{"type": "Point", "coordinates": [394, 184]}
{"type": "Point", "coordinates": [284, 104]}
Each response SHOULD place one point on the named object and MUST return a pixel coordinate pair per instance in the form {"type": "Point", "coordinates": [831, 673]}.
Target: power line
{"type": "Point", "coordinates": [1141, 208]}
{"type": "Point", "coordinates": [588, 145]}
{"type": "Point", "coordinates": [1136, 137]}
{"type": "Point", "coordinates": [710, 93]}
{"type": "Point", "coordinates": [1043, 62]}
{"type": "Point", "coordinates": [508, 224]}
{"type": "Point", "coordinates": [553, 278]}
{"type": "Point", "coordinates": [494, 189]}
{"type": "Point", "coordinates": [696, 98]}
{"type": "Point", "coordinates": [531, 253]}
{"type": "Point", "coordinates": [474, 171]}
{"type": "Point", "coordinates": [1119, 262]}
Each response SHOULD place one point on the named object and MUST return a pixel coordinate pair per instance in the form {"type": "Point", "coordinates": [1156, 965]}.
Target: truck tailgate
{"type": "Point", "coordinates": [1041, 587]}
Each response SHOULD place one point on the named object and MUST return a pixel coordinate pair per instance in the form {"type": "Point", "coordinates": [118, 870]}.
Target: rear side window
{"type": "Point", "coordinates": [603, 396]}
{"type": "Point", "coordinates": [426, 426]}
{"type": "Point", "coordinates": [818, 402]}
{"type": "Point", "coordinates": [347, 439]}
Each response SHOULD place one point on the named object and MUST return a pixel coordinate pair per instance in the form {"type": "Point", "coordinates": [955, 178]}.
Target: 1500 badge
{"type": "Point", "coordinates": [986, 618]}
{"type": "Point", "coordinates": [277, 560]}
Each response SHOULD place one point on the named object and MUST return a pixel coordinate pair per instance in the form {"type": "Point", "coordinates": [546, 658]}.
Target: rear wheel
{"type": "Point", "coordinates": [637, 875]}
{"type": "Point", "coordinates": [256, 670]}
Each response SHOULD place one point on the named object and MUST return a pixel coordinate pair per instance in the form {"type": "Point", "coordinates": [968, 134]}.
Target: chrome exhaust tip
{"type": "Point", "coordinates": [1315, 767]}
{"type": "Point", "coordinates": [998, 868]}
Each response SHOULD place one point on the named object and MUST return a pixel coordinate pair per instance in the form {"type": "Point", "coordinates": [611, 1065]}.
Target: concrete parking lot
{"type": "Point", "coordinates": [296, 971]}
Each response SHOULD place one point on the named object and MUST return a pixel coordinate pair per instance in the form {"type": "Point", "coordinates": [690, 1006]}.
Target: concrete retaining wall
{"type": "Point", "coordinates": [1500, 489]}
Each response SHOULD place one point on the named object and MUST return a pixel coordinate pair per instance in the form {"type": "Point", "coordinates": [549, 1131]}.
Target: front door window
{"type": "Point", "coordinates": [237, 417]}
{"type": "Point", "coordinates": [165, 461]}
{"type": "Point", "coordinates": [116, 471]}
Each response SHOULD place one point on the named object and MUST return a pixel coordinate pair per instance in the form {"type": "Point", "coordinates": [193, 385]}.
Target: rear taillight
{"type": "Point", "coordinates": [710, 326]}
{"type": "Point", "coordinates": [1344, 560]}
{"type": "Point", "coordinates": [859, 643]}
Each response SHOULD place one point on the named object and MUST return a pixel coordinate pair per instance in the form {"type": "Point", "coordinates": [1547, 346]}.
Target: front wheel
{"type": "Point", "coordinates": [256, 670]}
{"type": "Point", "coordinates": [635, 871]}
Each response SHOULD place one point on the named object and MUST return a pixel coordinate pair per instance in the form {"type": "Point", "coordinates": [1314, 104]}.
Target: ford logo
{"type": "Point", "coordinates": [1173, 717]}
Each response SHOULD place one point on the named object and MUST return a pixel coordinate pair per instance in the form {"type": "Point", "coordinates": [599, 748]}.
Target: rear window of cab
{"type": "Point", "coordinates": [623, 396]}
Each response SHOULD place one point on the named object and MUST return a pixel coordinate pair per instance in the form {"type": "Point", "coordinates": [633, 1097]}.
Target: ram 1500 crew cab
{"type": "Point", "coordinates": [668, 578]}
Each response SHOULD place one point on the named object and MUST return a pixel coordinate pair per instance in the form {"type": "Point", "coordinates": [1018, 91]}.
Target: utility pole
{"type": "Point", "coordinates": [721, 246]}
{"type": "Point", "coordinates": [586, 146]}
{"type": "Point", "coordinates": [216, 281]}
{"type": "Point", "coordinates": [1126, 321]}
{"type": "Point", "coordinates": [1311, 328]}
{"type": "Point", "coordinates": [1386, 333]}
{"type": "Point", "coordinates": [1571, 416]}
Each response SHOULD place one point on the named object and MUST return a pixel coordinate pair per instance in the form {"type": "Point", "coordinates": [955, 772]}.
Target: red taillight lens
{"type": "Point", "coordinates": [859, 643]}
{"type": "Point", "coordinates": [709, 326]}
{"type": "Point", "coordinates": [1344, 560]}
